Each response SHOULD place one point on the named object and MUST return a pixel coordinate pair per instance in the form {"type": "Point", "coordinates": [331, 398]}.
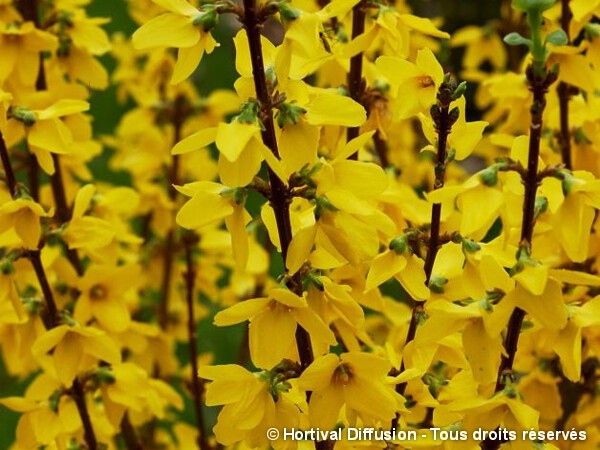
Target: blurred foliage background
{"type": "Point", "coordinates": [216, 71]}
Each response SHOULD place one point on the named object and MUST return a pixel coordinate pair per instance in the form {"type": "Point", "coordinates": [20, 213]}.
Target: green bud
{"type": "Point", "coordinates": [207, 19]}
{"type": "Point", "coordinates": [398, 245]}
{"type": "Point", "coordinates": [567, 181]}
{"type": "Point", "coordinates": [240, 195]}
{"type": "Point", "coordinates": [489, 176]}
{"type": "Point", "coordinates": [410, 402]}
{"type": "Point", "coordinates": [287, 12]}
{"type": "Point", "coordinates": [515, 39]}
{"type": "Point", "coordinates": [541, 206]}
{"type": "Point", "coordinates": [592, 30]}
{"type": "Point", "coordinates": [437, 283]}
{"type": "Point", "coordinates": [54, 400]}
{"type": "Point", "coordinates": [580, 137]}
{"type": "Point", "coordinates": [6, 266]}
{"type": "Point", "coordinates": [470, 246]}
{"type": "Point", "coordinates": [558, 37]}
{"type": "Point", "coordinates": [460, 90]}
{"type": "Point", "coordinates": [289, 114]}
{"type": "Point", "coordinates": [248, 112]}
{"type": "Point", "coordinates": [105, 375]}
{"type": "Point", "coordinates": [24, 115]}
{"type": "Point", "coordinates": [453, 115]}
{"type": "Point", "coordinates": [533, 5]}
{"type": "Point", "coordinates": [312, 279]}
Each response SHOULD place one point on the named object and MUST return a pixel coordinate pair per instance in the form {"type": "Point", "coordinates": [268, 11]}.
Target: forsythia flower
{"type": "Point", "coordinates": [273, 323]}
{"type": "Point", "coordinates": [355, 380]}
{"type": "Point", "coordinates": [183, 27]}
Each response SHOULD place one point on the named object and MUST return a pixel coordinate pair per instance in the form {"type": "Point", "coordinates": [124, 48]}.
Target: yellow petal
{"type": "Point", "coordinates": [271, 337]}
{"type": "Point", "coordinates": [533, 278]}
{"type": "Point", "coordinates": [62, 108]}
{"type": "Point", "coordinates": [318, 375]}
{"type": "Point", "coordinates": [236, 225]}
{"type": "Point", "coordinates": [196, 141]}
{"type": "Point", "coordinates": [103, 348]}
{"type": "Point", "coordinates": [51, 135]}
{"type": "Point", "coordinates": [324, 407]}
{"type": "Point", "coordinates": [240, 312]}
{"type": "Point", "coordinates": [188, 59]}
{"type": "Point", "coordinates": [549, 308]}
{"type": "Point", "coordinates": [385, 266]}
{"type": "Point", "coordinates": [67, 357]}
{"type": "Point", "coordinates": [413, 278]}
{"type": "Point", "coordinates": [482, 351]}
{"type": "Point", "coordinates": [232, 138]}
{"type": "Point", "coordinates": [166, 30]}
{"type": "Point", "coordinates": [241, 172]}
{"type": "Point", "coordinates": [178, 6]}
{"type": "Point", "coordinates": [202, 209]}
{"type": "Point", "coordinates": [329, 108]}
{"type": "Point", "coordinates": [112, 314]}
{"type": "Point", "coordinates": [300, 248]}
{"type": "Point", "coordinates": [568, 348]}
{"type": "Point", "coordinates": [423, 25]}
{"type": "Point", "coordinates": [48, 340]}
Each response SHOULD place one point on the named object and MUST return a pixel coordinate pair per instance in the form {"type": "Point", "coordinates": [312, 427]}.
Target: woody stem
{"type": "Point", "coordinates": [538, 84]}
{"type": "Point", "coordinates": [170, 241]}
{"type": "Point", "coordinates": [564, 95]}
{"type": "Point", "coordinates": [51, 319]}
{"type": "Point", "coordinates": [196, 382]}
{"type": "Point", "coordinates": [355, 79]}
{"type": "Point", "coordinates": [280, 200]}
{"type": "Point", "coordinates": [443, 127]}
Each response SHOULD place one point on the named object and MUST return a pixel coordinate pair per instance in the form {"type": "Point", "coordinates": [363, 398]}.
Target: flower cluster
{"type": "Point", "coordinates": [395, 262]}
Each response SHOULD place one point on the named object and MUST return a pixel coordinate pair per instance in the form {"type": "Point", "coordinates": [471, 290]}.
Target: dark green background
{"type": "Point", "coordinates": [216, 71]}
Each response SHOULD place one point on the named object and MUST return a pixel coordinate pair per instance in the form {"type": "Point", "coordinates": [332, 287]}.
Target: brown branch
{"type": "Point", "coordinates": [356, 83]}
{"type": "Point", "coordinates": [179, 116]}
{"type": "Point", "coordinates": [11, 180]}
{"type": "Point", "coordinates": [129, 435]}
{"type": "Point", "coordinates": [538, 84]}
{"type": "Point", "coordinates": [443, 124]}
{"type": "Point", "coordinates": [280, 199]}
{"type": "Point", "coordinates": [564, 95]}
{"type": "Point", "coordinates": [196, 382]}
{"type": "Point", "coordinates": [381, 148]}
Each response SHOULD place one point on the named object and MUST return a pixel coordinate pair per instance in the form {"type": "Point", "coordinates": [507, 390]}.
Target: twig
{"type": "Point", "coordinates": [196, 382]}
{"type": "Point", "coordinates": [280, 200]}
{"type": "Point", "coordinates": [443, 124]}
{"type": "Point", "coordinates": [538, 84]}
{"type": "Point", "coordinates": [171, 241]}
{"type": "Point", "coordinates": [564, 94]}
{"type": "Point", "coordinates": [356, 84]}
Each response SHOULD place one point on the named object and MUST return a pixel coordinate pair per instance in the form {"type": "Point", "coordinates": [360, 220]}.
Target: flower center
{"type": "Point", "coordinates": [425, 81]}
{"type": "Point", "coordinates": [98, 292]}
{"type": "Point", "coordinates": [343, 374]}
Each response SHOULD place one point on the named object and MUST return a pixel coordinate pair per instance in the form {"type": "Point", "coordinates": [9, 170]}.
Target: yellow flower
{"type": "Point", "coordinates": [217, 202]}
{"type": "Point", "coordinates": [23, 215]}
{"type": "Point", "coordinates": [46, 132]}
{"type": "Point", "coordinates": [415, 85]}
{"type": "Point", "coordinates": [76, 348]}
{"type": "Point", "coordinates": [273, 323]}
{"type": "Point", "coordinates": [129, 389]}
{"type": "Point", "coordinates": [464, 135]}
{"type": "Point", "coordinates": [21, 45]}
{"type": "Point", "coordinates": [104, 291]}
{"type": "Point", "coordinates": [84, 231]}
{"type": "Point", "coordinates": [356, 380]}
{"type": "Point", "coordinates": [183, 27]}
{"type": "Point", "coordinates": [482, 44]}
{"type": "Point", "coordinates": [250, 408]}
